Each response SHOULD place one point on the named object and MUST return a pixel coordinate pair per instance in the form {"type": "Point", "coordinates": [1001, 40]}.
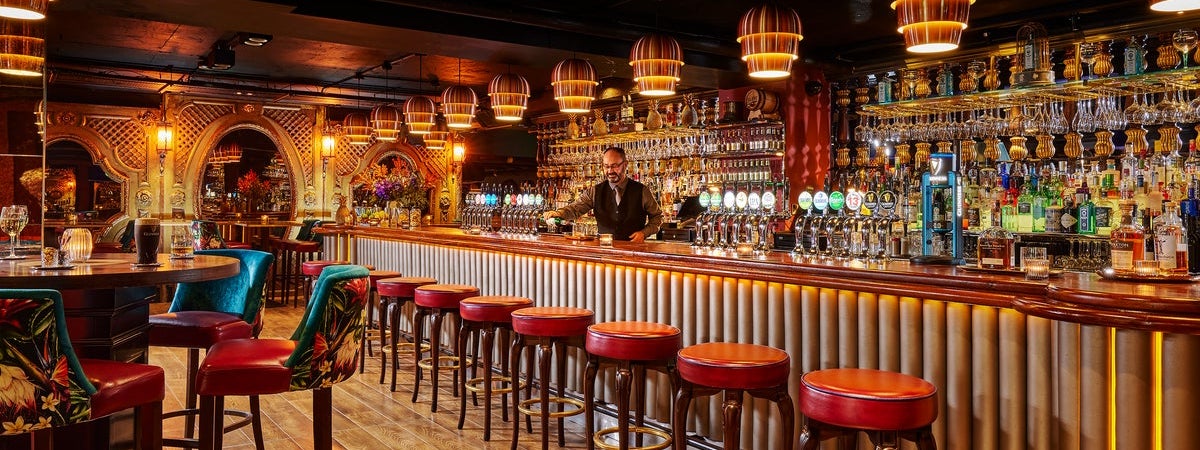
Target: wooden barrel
{"type": "Point", "coordinates": [762, 100]}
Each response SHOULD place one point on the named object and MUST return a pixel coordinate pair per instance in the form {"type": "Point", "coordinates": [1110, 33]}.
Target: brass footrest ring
{"type": "Point", "coordinates": [476, 385]}
{"type": "Point", "coordinates": [598, 438]}
{"type": "Point", "coordinates": [427, 363]}
{"type": "Point", "coordinates": [406, 348]}
{"type": "Point", "coordinates": [524, 407]}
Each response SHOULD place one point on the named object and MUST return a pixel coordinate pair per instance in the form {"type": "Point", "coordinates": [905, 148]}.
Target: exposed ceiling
{"type": "Point", "coordinates": [128, 52]}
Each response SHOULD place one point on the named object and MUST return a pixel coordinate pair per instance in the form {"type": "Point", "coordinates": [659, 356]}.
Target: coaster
{"type": "Point", "coordinates": [142, 266]}
{"type": "Point", "coordinates": [53, 267]}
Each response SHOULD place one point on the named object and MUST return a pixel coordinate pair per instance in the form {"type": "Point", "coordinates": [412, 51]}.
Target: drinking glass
{"type": "Point", "coordinates": [1184, 41]}
{"type": "Point", "coordinates": [181, 242]}
{"type": "Point", "coordinates": [12, 220]}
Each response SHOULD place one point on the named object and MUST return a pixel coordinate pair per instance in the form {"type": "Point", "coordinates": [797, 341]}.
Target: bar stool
{"type": "Point", "coordinates": [397, 291]}
{"type": "Point", "coordinates": [835, 403]}
{"type": "Point", "coordinates": [438, 300]}
{"type": "Point", "coordinates": [376, 326]}
{"type": "Point", "coordinates": [310, 270]}
{"type": "Point", "coordinates": [707, 369]}
{"type": "Point", "coordinates": [633, 347]}
{"type": "Point", "coordinates": [482, 316]}
{"type": "Point", "coordinates": [551, 329]}
{"type": "Point", "coordinates": [289, 254]}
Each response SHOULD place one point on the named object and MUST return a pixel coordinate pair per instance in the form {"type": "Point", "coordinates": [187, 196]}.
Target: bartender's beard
{"type": "Point", "coordinates": [614, 177]}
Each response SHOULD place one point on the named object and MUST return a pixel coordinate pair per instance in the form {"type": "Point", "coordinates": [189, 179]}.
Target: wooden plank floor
{"type": "Point", "coordinates": [366, 415]}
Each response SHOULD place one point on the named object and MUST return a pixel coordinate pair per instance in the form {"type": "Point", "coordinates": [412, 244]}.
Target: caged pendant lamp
{"type": "Point", "coordinates": [386, 121]}
{"type": "Point", "coordinates": [436, 139]}
{"type": "Point", "coordinates": [357, 128]}
{"type": "Point", "coordinates": [458, 103]}
{"type": "Point", "coordinates": [770, 38]}
{"type": "Point", "coordinates": [22, 48]}
{"type": "Point", "coordinates": [419, 109]}
{"type": "Point", "coordinates": [656, 61]}
{"type": "Point", "coordinates": [509, 93]}
{"type": "Point", "coordinates": [574, 83]}
{"type": "Point", "coordinates": [932, 26]}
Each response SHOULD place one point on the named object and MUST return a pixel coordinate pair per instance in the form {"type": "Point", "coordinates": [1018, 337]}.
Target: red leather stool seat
{"type": "Point", "coordinates": [293, 245]}
{"type": "Point", "coordinates": [246, 367]}
{"type": "Point", "coordinates": [443, 295]}
{"type": "Point", "coordinates": [196, 329]}
{"type": "Point", "coordinates": [377, 275]}
{"type": "Point", "coordinates": [868, 399]}
{"type": "Point", "coordinates": [237, 245]}
{"type": "Point", "coordinates": [552, 321]}
{"type": "Point", "coordinates": [492, 308]}
{"type": "Point", "coordinates": [314, 268]}
{"type": "Point", "coordinates": [634, 341]}
{"type": "Point", "coordinates": [728, 365]}
{"type": "Point", "coordinates": [401, 286]}
{"type": "Point", "coordinates": [121, 385]}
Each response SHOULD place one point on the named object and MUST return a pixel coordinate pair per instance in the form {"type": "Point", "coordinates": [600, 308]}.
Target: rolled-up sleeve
{"type": "Point", "coordinates": [654, 215]}
{"type": "Point", "coordinates": [581, 207]}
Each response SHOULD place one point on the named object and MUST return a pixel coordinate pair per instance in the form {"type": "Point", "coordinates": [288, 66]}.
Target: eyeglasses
{"type": "Point", "coordinates": [613, 166]}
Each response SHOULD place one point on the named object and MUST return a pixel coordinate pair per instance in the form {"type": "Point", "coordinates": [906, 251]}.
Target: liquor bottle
{"type": "Point", "coordinates": [1191, 165]}
{"type": "Point", "coordinates": [973, 202]}
{"type": "Point", "coordinates": [996, 247]}
{"type": "Point", "coordinates": [1128, 242]}
{"type": "Point", "coordinates": [1008, 216]}
{"type": "Point", "coordinates": [1190, 211]}
{"type": "Point", "coordinates": [1170, 241]}
{"type": "Point", "coordinates": [1135, 57]}
{"type": "Point", "coordinates": [1039, 205]}
{"type": "Point", "coordinates": [1085, 210]}
{"type": "Point", "coordinates": [1105, 208]}
{"type": "Point", "coordinates": [1025, 209]}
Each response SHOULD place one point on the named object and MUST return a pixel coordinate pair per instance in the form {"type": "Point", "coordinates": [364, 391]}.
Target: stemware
{"type": "Point", "coordinates": [12, 220]}
{"type": "Point", "coordinates": [1184, 40]}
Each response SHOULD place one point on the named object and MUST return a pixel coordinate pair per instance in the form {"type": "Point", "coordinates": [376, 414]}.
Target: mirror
{"type": "Point", "coordinates": [21, 152]}
{"type": "Point", "coordinates": [245, 174]}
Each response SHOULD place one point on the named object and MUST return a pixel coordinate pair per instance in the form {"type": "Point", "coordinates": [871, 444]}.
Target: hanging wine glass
{"type": "Point", "coordinates": [1184, 40]}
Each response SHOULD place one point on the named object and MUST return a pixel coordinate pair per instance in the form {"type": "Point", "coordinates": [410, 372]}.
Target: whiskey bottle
{"type": "Point", "coordinates": [1128, 241]}
{"type": "Point", "coordinates": [996, 246]}
{"type": "Point", "coordinates": [1170, 241]}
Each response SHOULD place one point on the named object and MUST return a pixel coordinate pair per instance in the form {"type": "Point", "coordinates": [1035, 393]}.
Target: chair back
{"type": "Point", "coordinates": [328, 337]}
{"type": "Point", "coordinates": [41, 382]}
{"type": "Point", "coordinates": [306, 230]}
{"type": "Point", "coordinates": [206, 235]}
{"type": "Point", "coordinates": [240, 295]}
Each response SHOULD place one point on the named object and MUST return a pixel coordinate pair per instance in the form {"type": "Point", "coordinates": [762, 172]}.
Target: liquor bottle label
{"type": "Point", "coordinates": [1068, 221]}
{"type": "Point", "coordinates": [1103, 216]}
{"type": "Point", "coordinates": [1164, 249]}
{"type": "Point", "coordinates": [1122, 254]}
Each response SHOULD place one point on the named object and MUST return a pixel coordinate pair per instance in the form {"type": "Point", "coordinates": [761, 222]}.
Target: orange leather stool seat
{"type": "Point", "coordinates": [397, 291]}
{"type": "Point", "coordinates": [481, 318]}
{"type": "Point", "coordinates": [633, 347]}
{"type": "Point", "coordinates": [758, 370]}
{"type": "Point", "coordinates": [438, 300]}
{"type": "Point", "coordinates": [401, 286]}
{"type": "Point", "coordinates": [551, 329]}
{"type": "Point", "coordinates": [870, 400]}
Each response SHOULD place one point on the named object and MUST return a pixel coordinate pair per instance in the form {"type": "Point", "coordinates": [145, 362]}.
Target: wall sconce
{"type": "Point", "coordinates": [459, 153]}
{"type": "Point", "coordinates": [164, 142]}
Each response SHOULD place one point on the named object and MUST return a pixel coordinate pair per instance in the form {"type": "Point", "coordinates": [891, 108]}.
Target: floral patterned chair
{"type": "Point", "coordinates": [323, 350]}
{"type": "Point", "coordinates": [44, 385]}
{"type": "Point", "coordinates": [206, 235]}
{"type": "Point", "coordinates": [206, 312]}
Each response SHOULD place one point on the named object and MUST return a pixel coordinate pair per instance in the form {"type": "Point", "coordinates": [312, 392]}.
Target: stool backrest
{"type": "Point", "coordinates": [206, 235]}
{"type": "Point", "coordinates": [41, 382]}
{"type": "Point", "coordinates": [329, 335]}
{"type": "Point", "coordinates": [240, 295]}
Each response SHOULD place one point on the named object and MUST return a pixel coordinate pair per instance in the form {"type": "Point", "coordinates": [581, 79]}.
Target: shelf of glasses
{"type": "Point", "coordinates": [1150, 83]}
{"type": "Point", "coordinates": [629, 137]}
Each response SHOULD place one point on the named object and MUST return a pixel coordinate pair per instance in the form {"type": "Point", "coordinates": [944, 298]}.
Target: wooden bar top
{"type": "Point", "coordinates": [1076, 297]}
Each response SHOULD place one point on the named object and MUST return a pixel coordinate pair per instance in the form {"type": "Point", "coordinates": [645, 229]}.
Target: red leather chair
{"type": "Point", "coordinates": [633, 347]}
{"type": "Point", "coordinates": [323, 351]}
{"type": "Point", "coordinates": [758, 370]}
{"type": "Point", "coordinates": [55, 388]}
{"type": "Point", "coordinates": [888, 406]}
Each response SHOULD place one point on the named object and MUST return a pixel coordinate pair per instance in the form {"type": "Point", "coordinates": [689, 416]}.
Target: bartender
{"type": "Point", "coordinates": [624, 208]}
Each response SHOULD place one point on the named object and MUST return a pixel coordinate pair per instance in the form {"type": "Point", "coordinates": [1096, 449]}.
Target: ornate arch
{"type": "Point", "coordinates": [221, 127]}
{"type": "Point", "coordinates": [97, 147]}
{"type": "Point", "coordinates": [380, 150]}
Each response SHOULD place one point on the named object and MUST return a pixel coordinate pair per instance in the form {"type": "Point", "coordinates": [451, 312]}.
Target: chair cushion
{"type": "Point", "coordinates": [634, 341]}
{"type": "Point", "coordinates": [237, 245]}
{"type": "Point", "coordinates": [552, 321]}
{"type": "Point", "coordinates": [314, 268]}
{"type": "Point", "coordinates": [196, 329]}
{"type": "Point", "coordinates": [294, 245]}
{"type": "Point", "coordinates": [445, 296]}
{"type": "Point", "coordinates": [246, 367]}
{"type": "Point", "coordinates": [868, 399]}
{"type": "Point", "coordinates": [402, 286]}
{"type": "Point", "coordinates": [728, 365]}
{"type": "Point", "coordinates": [122, 385]}
{"type": "Point", "coordinates": [492, 308]}
{"type": "Point", "coordinates": [377, 275]}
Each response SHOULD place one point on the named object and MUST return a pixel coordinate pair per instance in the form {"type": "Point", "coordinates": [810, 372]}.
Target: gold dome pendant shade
{"type": "Point", "coordinates": [386, 120]}
{"type": "Point", "coordinates": [22, 48]}
{"type": "Point", "coordinates": [418, 113]}
{"type": "Point", "coordinates": [932, 26]}
{"type": "Point", "coordinates": [458, 104]}
{"type": "Point", "coordinates": [510, 96]}
{"type": "Point", "coordinates": [770, 38]}
{"type": "Point", "coordinates": [656, 61]}
{"type": "Point", "coordinates": [574, 83]}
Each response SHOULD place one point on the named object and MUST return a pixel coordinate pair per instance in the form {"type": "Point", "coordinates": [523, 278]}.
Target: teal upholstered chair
{"type": "Point", "coordinates": [323, 351]}
{"type": "Point", "coordinates": [206, 312]}
{"type": "Point", "coordinates": [46, 385]}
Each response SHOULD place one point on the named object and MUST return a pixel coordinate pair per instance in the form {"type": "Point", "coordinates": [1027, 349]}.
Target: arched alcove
{"type": "Point", "coordinates": [245, 171]}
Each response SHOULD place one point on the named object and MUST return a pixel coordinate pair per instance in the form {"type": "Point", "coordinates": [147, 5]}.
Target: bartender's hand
{"type": "Point", "coordinates": [546, 216]}
{"type": "Point", "coordinates": [637, 236]}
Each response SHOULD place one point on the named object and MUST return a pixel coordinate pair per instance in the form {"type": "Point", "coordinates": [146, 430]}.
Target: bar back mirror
{"type": "Point", "coordinates": [79, 192]}
{"type": "Point", "coordinates": [21, 158]}
{"type": "Point", "coordinates": [245, 174]}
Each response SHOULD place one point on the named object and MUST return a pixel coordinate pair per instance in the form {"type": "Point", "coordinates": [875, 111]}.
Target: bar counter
{"type": "Point", "coordinates": [1018, 364]}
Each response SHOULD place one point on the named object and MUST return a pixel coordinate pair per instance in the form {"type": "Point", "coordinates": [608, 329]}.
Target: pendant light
{"type": "Point", "coordinates": [386, 119]}
{"type": "Point", "coordinates": [932, 26]}
{"type": "Point", "coordinates": [574, 83]}
{"type": "Point", "coordinates": [357, 128]}
{"type": "Point", "coordinates": [458, 103]}
{"type": "Point", "coordinates": [419, 109]}
{"type": "Point", "coordinates": [437, 137]}
{"type": "Point", "coordinates": [22, 49]}
{"type": "Point", "coordinates": [770, 37]}
{"type": "Point", "coordinates": [656, 60]}
{"type": "Point", "coordinates": [23, 9]}
{"type": "Point", "coordinates": [1174, 5]}
{"type": "Point", "coordinates": [509, 93]}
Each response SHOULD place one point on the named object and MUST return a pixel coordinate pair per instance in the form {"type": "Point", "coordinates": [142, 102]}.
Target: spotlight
{"type": "Point", "coordinates": [220, 58]}
{"type": "Point", "coordinates": [255, 39]}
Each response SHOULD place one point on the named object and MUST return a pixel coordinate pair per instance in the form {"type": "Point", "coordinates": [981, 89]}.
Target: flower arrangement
{"type": "Point", "coordinates": [380, 184]}
{"type": "Point", "coordinates": [249, 185]}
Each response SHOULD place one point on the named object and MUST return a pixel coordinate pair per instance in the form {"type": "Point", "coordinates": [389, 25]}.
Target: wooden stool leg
{"type": "Point", "coordinates": [207, 407]}
{"type": "Point", "coordinates": [418, 336]}
{"type": "Point", "coordinates": [435, 350]}
{"type": "Point", "coordinates": [149, 426]}
{"type": "Point", "coordinates": [731, 411]}
{"type": "Point", "coordinates": [256, 422]}
{"type": "Point", "coordinates": [518, 344]}
{"type": "Point", "coordinates": [544, 355]}
{"type": "Point", "coordinates": [560, 359]}
{"type": "Point", "coordinates": [463, 334]}
{"type": "Point", "coordinates": [488, 338]}
{"type": "Point", "coordinates": [624, 381]}
{"type": "Point", "coordinates": [193, 364]}
{"type": "Point", "coordinates": [323, 418]}
{"type": "Point", "coordinates": [383, 336]}
{"type": "Point", "coordinates": [506, 370]}
{"type": "Point", "coordinates": [638, 389]}
{"type": "Point", "coordinates": [683, 400]}
{"type": "Point", "coordinates": [589, 400]}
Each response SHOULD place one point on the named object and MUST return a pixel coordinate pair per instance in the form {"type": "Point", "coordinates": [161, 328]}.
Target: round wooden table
{"type": "Point", "coordinates": [112, 270]}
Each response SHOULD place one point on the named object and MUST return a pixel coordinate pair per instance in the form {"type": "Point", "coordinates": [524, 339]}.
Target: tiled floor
{"type": "Point", "coordinates": [366, 414]}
